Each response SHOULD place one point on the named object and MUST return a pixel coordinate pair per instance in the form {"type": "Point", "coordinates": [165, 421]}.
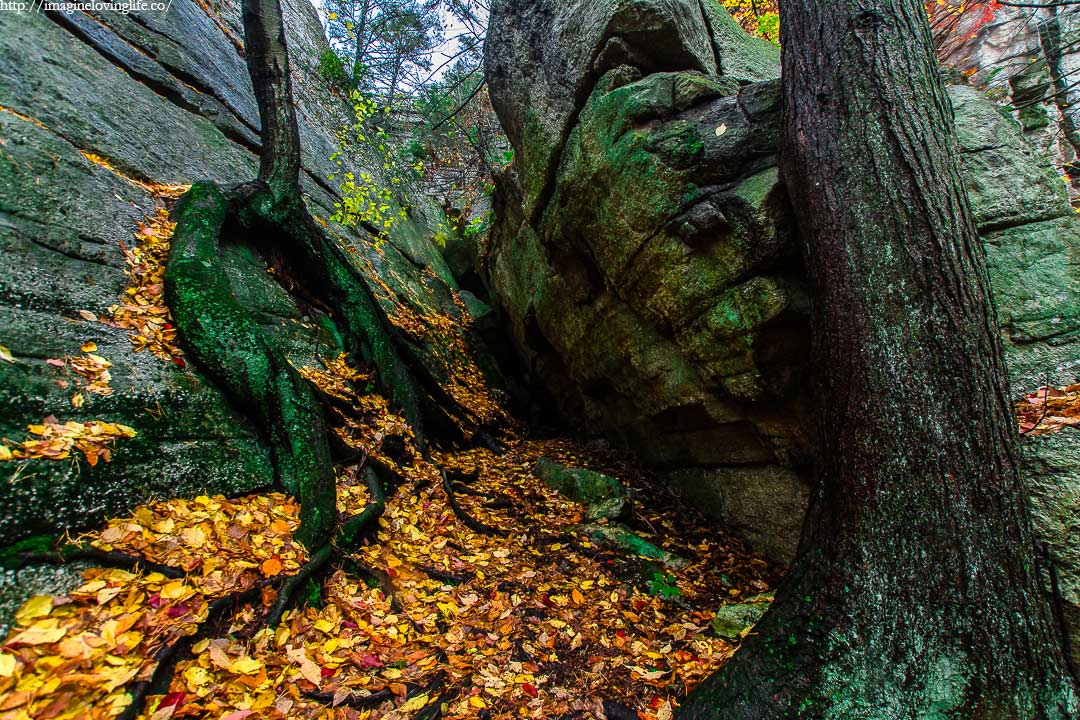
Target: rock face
{"type": "Point", "coordinates": [643, 251]}
{"type": "Point", "coordinates": [92, 108]}
{"type": "Point", "coordinates": [645, 255]}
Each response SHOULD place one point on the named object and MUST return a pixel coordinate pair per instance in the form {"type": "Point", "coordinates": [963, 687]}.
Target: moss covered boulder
{"type": "Point", "coordinates": [603, 495]}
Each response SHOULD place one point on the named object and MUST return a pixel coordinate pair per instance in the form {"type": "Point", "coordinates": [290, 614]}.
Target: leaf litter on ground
{"type": "Point", "coordinates": [538, 623]}
{"type": "Point", "coordinates": [1049, 410]}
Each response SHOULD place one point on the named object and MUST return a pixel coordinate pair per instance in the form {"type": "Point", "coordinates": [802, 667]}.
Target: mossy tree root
{"type": "Point", "coordinates": [77, 552]}
{"type": "Point", "coordinates": [229, 346]}
{"type": "Point", "coordinates": [280, 218]}
{"type": "Point", "coordinates": [347, 536]}
{"type": "Point", "coordinates": [467, 520]}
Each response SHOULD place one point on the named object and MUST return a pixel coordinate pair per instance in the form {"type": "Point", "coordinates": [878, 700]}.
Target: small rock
{"type": "Point", "coordinates": [604, 495]}
{"type": "Point", "coordinates": [732, 621]}
{"type": "Point", "coordinates": [623, 538]}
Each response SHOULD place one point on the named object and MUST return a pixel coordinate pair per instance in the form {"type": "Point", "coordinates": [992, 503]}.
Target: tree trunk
{"type": "Point", "coordinates": [916, 591]}
{"type": "Point", "coordinates": [361, 43]}
{"type": "Point", "coordinates": [268, 64]}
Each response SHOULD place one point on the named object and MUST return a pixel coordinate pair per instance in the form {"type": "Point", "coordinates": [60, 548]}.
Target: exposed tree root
{"type": "Point", "coordinates": [346, 537]}
{"type": "Point", "coordinates": [166, 658]}
{"type": "Point", "coordinates": [443, 576]}
{"type": "Point", "coordinates": [468, 520]}
{"type": "Point", "coordinates": [71, 553]}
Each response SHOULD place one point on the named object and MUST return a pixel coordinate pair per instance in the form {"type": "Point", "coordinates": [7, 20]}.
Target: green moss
{"type": "Point", "coordinates": [36, 544]}
{"type": "Point", "coordinates": [228, 344]}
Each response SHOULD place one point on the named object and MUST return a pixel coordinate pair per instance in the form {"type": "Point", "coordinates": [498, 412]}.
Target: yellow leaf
{"type": "Point", "coordinates": [174, 590]}
{"type": "Point", "coordinates": [577, 596]}
{"type": "Point", "coordinates": [78, 400]}
{"type": "Point", "coordinates": [89, 347]}
{"type": "Point", "coordinates": [38, 636]}
{"type": "Point", "coordinates": [7, 664]}
{"type": "Point", "coordinates": [5, 453]}
{"type": "Point", "coordinates": [477, 702]}
{"type": "Point", "coordinates": [417, 703]}
{"type": "Point", "coordinates": [36, 607]}
{"type": "Point", "coordinates": [5, 354]}
{"type": "Point", "coordinates": [246, 666]}
{"type": "Point", "coordinates": [196, 677]}
{"type": "Point", "coordinates": [193, 536]}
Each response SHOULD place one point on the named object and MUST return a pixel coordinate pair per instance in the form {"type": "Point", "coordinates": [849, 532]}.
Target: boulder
{"type": "Point", "coordinates": [649, 273]}
{"type": "Point", "coordinates": [603, 495]}
{"type": "Point", "coordinates": [543, 58]}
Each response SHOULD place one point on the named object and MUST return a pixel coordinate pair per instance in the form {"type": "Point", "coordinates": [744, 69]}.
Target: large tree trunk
{"type": "Point", "coordinates": [916, 591]}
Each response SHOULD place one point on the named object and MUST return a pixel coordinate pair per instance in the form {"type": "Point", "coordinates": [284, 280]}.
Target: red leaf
{"type": "Point", "coordinates": [175, 698]}
{"type": "Point", "coordinates": [529, 689]}
{"type": "Point", "coordinates": [327, 672]}
{"type": "Point", "coordinates": [177, 610]}
{"type": "Point", "coordinates": [368, 660]}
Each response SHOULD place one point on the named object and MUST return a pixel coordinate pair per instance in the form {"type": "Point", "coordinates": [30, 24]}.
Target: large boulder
{"type": "Point", "coordinates": [95, 108]}
{"type": "Point", "coordinates": [645, 256]}
{"type": "Point", "coordinates": [643, 247]}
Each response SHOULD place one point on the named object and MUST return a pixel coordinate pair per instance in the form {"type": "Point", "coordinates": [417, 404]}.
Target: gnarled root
{"type": "Point", "coordinates": [346, 537]}
{"type": "Point", "coordinates": [230, 347]}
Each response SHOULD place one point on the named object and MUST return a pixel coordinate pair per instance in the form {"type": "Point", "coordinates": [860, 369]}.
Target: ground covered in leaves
{"type": "Point", "coordinates": [427, 615]}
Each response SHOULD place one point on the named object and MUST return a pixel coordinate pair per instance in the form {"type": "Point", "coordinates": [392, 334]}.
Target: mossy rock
{"type": "Point", "coordinates": [604, 496]}
{"type": "Point", "coordinates": [732, 622]}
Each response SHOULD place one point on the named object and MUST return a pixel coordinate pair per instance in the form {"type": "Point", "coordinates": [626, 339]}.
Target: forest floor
{"type": "Point", "coordinates": [538, 621]}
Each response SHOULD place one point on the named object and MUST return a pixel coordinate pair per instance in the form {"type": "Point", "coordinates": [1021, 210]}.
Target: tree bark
{"type": "Point", "coordinates": [268, 64]}
{"type": "Point", "coordinates": [916, 591]}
